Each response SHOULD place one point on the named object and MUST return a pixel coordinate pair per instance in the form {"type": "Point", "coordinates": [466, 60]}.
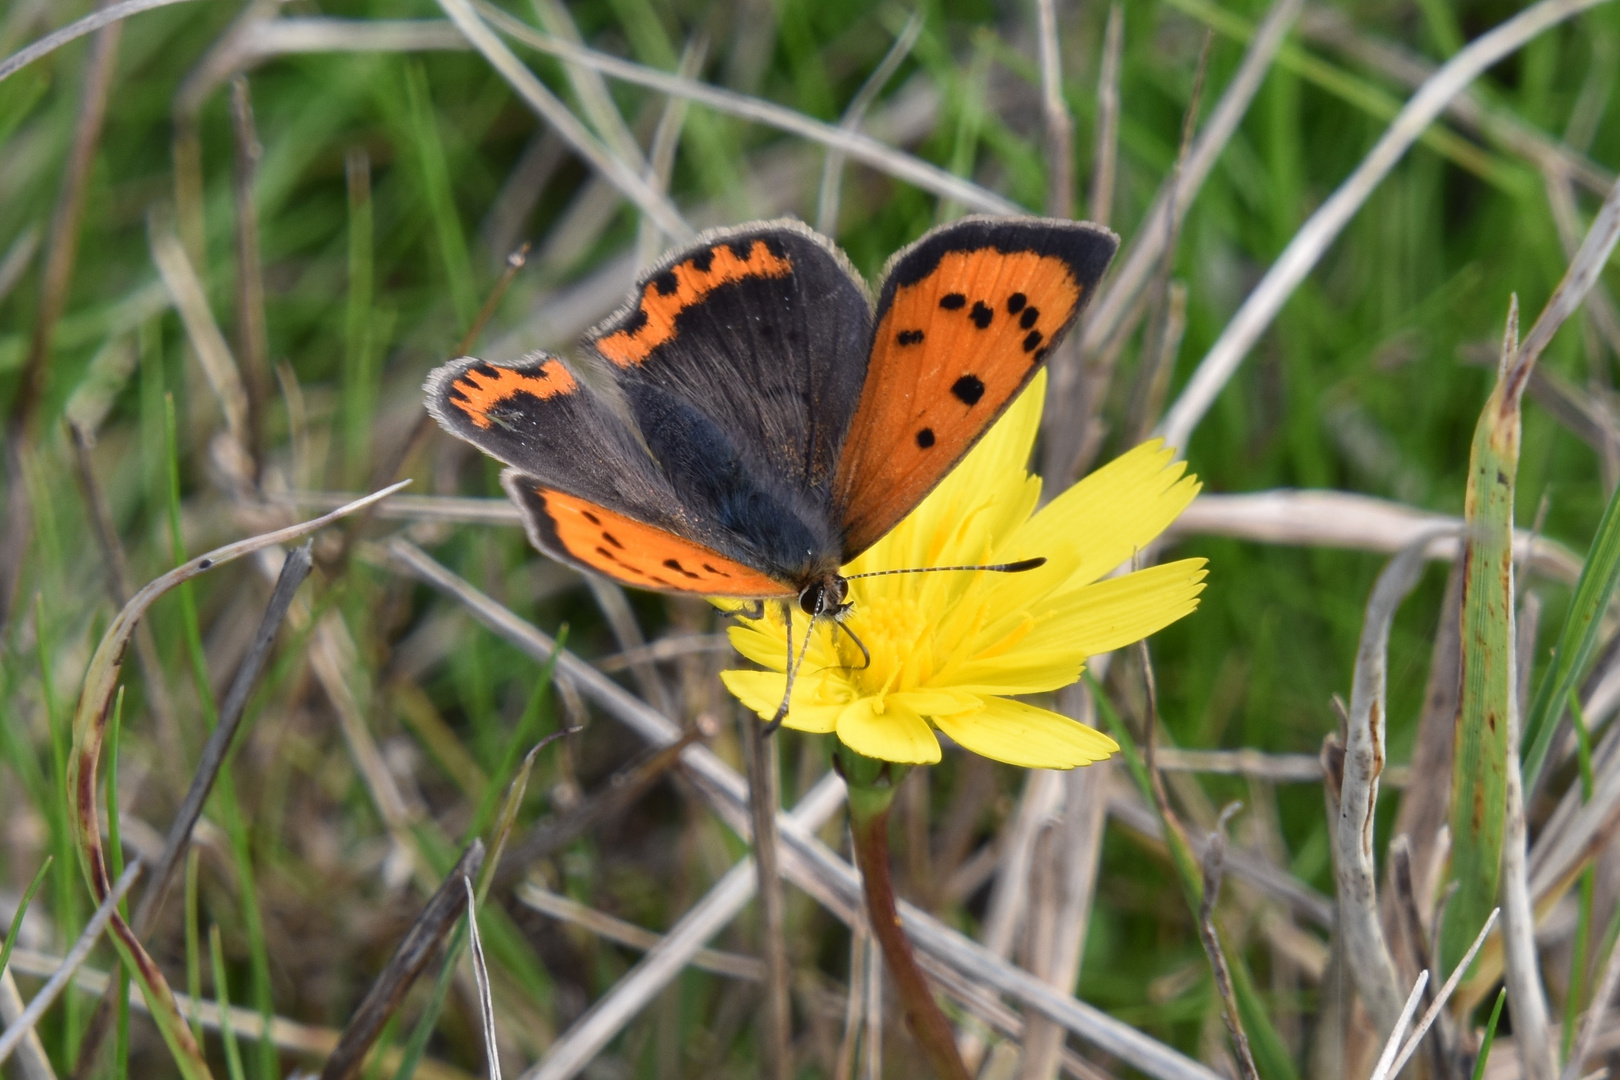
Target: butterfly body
{"type": "Point", "coordinates": [756, 421]}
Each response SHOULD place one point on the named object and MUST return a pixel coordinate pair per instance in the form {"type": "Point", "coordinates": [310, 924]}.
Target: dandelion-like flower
{"type": "Point", "coordinates": [952, 651]}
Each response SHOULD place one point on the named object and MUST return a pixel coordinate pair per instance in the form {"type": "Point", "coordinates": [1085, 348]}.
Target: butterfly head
{"type": "Point", "coordinates": [826, 597]}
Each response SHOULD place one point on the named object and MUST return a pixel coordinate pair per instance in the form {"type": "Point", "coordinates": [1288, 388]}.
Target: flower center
{"type": "Point", "coordinates": [897, 635]}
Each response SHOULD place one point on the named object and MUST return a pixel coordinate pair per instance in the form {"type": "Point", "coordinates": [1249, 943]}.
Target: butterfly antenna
{"type": "Point", "coordinates": [793, 668]}
{"type": "Point", "coordinates": [997, 568]}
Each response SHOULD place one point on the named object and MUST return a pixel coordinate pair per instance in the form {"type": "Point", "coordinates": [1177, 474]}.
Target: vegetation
{"type": "Point", "coordinates": [234, 238]}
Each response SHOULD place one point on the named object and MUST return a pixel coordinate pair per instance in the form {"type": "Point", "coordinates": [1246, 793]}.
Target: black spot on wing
{"type": "Point", "coordinates": [981, 314]}
{"type": "Point", "coordinates": [910, 337]}
{"type": "Point", "coordinates": [1016, 302]}
{"type": "Point", "coordinates": [925, 438]}
{"type": "Point", "coordinates": [665, 283]}
{"type": "Point", "coordinates": [968, 390]}
{"type": "Point", "coordinates": [953, 301]}
{"type": "Point", "coordinates": [702, 260]}
{"type": "Point", "coordinates": [1032, 339]}
{"type": "Point", "coordinates": [1029, 318]}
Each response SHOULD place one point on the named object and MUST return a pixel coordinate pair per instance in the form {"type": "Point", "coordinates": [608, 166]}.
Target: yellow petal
{"type": "Point", "coordinates": [895, 734]}
{"type": "Point", "coordinates": [761, 691]}
{"type": "Point", "coordinates": [1023, 735]}
{"type": "Point", "coordinates": [1108, 614]}
{"type": "Point", "coordinates": [1115, 511]}
{"type": "Point", "coordinates": [1097, 618]}
{"type": "Point", "coordinates": [932, 702]}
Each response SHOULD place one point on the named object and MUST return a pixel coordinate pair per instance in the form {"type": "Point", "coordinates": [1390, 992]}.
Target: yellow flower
{"type": "Point", "coordinates": [950, 650]}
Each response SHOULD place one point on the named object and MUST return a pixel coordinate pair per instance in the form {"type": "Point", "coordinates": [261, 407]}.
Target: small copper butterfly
{"type": "Point", "coordinates": [754, 423]}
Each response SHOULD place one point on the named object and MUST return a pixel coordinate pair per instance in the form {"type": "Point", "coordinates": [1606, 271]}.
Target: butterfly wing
{"type": "Point", "coordinates": [965, 318]}
{"type": "Point", "coordinates": [590, 494]}
{"type": "Point", "coordinates": [741, 358]}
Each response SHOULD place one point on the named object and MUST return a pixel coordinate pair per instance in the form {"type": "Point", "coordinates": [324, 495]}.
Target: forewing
{"type": "Point", "coordinates": [571, 455]}
{"type": "Point", "coordinates": [762, 331]}
{"type": "Point", "coordinates": [965, 318]}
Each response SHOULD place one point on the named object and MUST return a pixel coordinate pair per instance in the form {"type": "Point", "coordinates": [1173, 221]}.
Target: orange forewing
{"type": "Point", "coordinates": [681, 286]}
{"type": "Point", "coordinates": [950, 353]}
{"type": "Point", "coordinates": [639, 554]}
{"type": "Point", "coordinates": [480, 388]}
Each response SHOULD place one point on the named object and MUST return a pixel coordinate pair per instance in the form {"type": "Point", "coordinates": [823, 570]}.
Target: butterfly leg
{"type": "Point", "coordinates": [753, 609]}
{"type": "Point", "coordinates": [794, 660]}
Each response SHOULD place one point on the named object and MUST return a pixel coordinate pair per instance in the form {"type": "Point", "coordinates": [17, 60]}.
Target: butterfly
{"type": "Point", "coordinates": [750, 420]}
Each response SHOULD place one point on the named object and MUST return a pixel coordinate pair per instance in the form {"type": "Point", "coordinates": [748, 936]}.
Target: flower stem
{"type": "Point", "coordinates": [871, 791]}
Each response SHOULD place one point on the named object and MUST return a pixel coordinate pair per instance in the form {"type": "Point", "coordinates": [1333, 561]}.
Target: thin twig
{"type": "Point", "coordinates": [1582, 273]}
{"type": "Point", "coordinates": [252, 335]}
{"type": "Point", "coordinates": [76, 956]}
{"type": "Point", "coordinates": [1324, 226]}
{"type": "Point", "coordinates": [1059, 146]}
{"type": "Point", "coordinates": [48, 44]}
{"type": "Point", "coordinates": [1595, 1016]}
{"type": "Point", "coordinates": [832, 165]}
{"type": "Point", "coordinates": [1213, 865]}
{"type": "Point", "coordinates": [32, 1062]}
{"type": "Point", "coordinates": [415, 949]}
{"type": "Point", "coordinates": [576, 1047]}
{"type": "Point", "coordinates": [625, 176]}
{"type": "Point", "coordinates": [1433, 1012]}
{"type": "Point", "coordinates": [1108, 317]}
{"type": "Point", "coordinates": [1354, 864]}
{"type": "Point", "coordinates": [732, 965]}
{"type": "Point", "coordinates": [1105, 157]}
{"type": "Point", "coordinates": [1392, 1045]}
{"type": "Point", "coordinates": [294, 569]}
{"type": "Point", "coordinates": [486, 1004]}
{"type": "Point", "coordinates": [764, 800]}
{"type": "Point", "coordinates": [860, 147]}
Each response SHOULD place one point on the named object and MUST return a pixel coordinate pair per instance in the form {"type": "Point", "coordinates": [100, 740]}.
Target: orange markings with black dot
{"type": "Point", "coordinates": [685, 285]}
{"type": "Point", "coordinates": [630, 550]}
{"type": "Point", "coordinates": [479, 389]}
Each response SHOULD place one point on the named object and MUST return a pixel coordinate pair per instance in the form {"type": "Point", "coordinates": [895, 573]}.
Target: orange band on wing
{"type": "Point", "coordinates": [680, 287]}
{"type": "Point", "coordinates": [644, 556]}
{"type": "Point", "coordinates": [480, 388]}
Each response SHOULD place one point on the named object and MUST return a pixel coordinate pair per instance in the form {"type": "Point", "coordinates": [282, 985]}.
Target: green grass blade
{"type": "Point", "coordinates": [222, 993]}
{"type": "Point", "coordinates": [1479, 771]}
{"type": "Point", "coordinates": [1576, 641]}
{"type": "Point", "coordinates": [1490, 1035]}
{"type": "Point", "coordinates": [22, 910]}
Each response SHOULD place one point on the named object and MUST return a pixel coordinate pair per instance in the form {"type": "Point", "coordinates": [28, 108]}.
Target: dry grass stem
{"type": "Point", "coordinates": [576, 1047]}
{"type": "Point", "coordinates": [1105, 154]}
{"type": "Point", "coordinates": [1108, 319]}
{"type": "Point", "coordinates": [764, 800]}
{"type": "Point", "coordinates": [1433, 1013]}
{"type": "Point", "coordinates": [1213, 865]}
{"type": "Point", "coordinates": [732, 965]}
{"type": "Point", "coordinates": [1354, 862]}
{"type": "Point", "coordinates": [486, 1004]}
{"type": "Point", "coordinates": [1059, 134]}
{"type": "Point", "coordinates": [806, 861]}
{"type": "Point", "coordinates": [862, 148]}
{"type": "Point", "coordinates": [48, 44]}
{"type": "Point", "coordinates": [415, 949]}
{"type": "Point", "coordinates": [1392, 1045]}
{"type": "Point", "coordinates": [32, 1063]}
{"type": "Point", "coordinates": [1314, 237]}
{"type": "Point", "coordinates": [1359, 522]}
{"type": "Point", "coordinates": [1578, 280]}
{"type": "Point", "coordinates": [832, 165]}
{"type": "Point", "coordinates": [62, 977]}
{"type": "Point", "coordinates": [625, 176]}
